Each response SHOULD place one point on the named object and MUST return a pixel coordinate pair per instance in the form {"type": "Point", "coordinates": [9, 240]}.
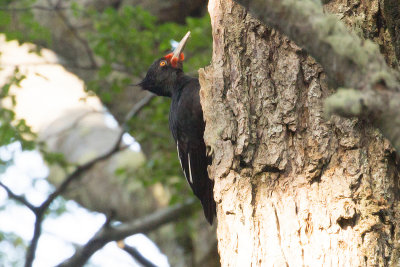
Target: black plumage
{"type": "Point", "coordinates": [166, 78]}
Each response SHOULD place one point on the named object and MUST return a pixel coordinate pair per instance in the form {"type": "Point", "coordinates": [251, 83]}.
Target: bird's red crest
{"type": "Point", "coordinates": [174, 60]}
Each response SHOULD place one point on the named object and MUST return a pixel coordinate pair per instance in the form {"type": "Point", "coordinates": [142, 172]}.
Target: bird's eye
{"type": "Point", "coordinates": [163, 63]}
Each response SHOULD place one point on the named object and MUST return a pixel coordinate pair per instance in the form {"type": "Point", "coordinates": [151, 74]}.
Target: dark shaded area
{"type": "Point", "coordinates": [345, 222]}
{"type": "Point", "coordinates": [391, 10]}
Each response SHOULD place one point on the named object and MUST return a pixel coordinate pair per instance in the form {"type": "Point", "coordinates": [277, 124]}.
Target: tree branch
{"type": "Point", "coordinates": [29, 8]}
{"type": "Point", "coordinates": [138, 107]}
{"type": "Point", "coordinates": [135, 254]}
{"type": "Point", "coordinates": [115, 233]}
{"type": "Point", "coordinates": [40, 211]}
{"type": "Point", "coordinates": [83, 41]}
{"type": "Point", "coordinates": [349, 61]}
{"type": "Point", "coordinates": [20, 199]}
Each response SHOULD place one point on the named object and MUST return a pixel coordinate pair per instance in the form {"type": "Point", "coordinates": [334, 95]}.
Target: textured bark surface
{"type": "Point", "coordinates": [291, 188]}
{"type": "Point", "coordinates": [377, 20]}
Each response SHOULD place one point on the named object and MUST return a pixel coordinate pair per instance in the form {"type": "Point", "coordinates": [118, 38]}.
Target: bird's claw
{"type": "Point", "coordinates": [209, 151]}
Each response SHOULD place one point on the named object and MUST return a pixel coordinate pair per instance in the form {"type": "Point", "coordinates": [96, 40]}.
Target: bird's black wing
{"type": "Point", "coordinates": [187, 127]}
{"type": "Point", "coordinates": [193, 159]}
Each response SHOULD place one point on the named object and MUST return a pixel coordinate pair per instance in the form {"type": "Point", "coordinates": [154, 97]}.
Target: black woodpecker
{"type": "Point", "coordinates": [166, 78]}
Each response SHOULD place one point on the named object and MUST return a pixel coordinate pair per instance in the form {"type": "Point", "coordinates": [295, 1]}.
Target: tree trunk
{"type": "Point", "coordinates": [291, 188]}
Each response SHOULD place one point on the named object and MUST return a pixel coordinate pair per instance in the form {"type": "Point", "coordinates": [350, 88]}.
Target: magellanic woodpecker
{"type": "Point", "coordinates": [165, 77]}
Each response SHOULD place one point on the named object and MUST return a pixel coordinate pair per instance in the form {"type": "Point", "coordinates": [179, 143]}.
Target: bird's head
{"type": "Point", "coordinates": [164, 73]}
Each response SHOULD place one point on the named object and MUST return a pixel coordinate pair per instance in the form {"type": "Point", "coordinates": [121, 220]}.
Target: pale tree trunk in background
{"type": "Point", "coordinates": [293, 189]}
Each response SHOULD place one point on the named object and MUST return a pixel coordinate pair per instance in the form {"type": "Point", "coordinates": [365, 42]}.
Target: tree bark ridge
{"type": "Point", "coordinates": [349, 60]}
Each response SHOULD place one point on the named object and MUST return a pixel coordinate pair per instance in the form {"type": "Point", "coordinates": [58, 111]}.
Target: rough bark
{"type": "Point", "coordinates": [291, 188]}
{"type": "Point", "coordinates": [349, 61]}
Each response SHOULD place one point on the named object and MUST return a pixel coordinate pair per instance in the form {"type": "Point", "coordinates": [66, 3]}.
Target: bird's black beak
{"type": "Point", "coordinates": [177, 54]}
{"type": "Point", "coordinates": [137, 84]}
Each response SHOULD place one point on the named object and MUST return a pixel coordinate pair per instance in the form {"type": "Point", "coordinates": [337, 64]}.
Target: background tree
{"type": "Point", "coordinates": [292, 188]}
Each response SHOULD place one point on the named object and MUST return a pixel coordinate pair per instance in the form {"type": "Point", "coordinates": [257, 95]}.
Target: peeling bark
{"type": "Point", "coordinates": [291, 188]}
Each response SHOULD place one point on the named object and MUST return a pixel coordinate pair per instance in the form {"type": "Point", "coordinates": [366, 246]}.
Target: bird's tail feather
{"type": "Point", "coordinates": [208, 203]}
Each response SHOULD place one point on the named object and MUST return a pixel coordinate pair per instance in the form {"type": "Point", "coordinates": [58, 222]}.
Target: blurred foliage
{"type": "Point", "coordinates": [12, 249]}
{"type": "Point", "coordinates": [130, 39]}
{"type": "Point", "coordinates": [27, 29]}
{"type": "Point", "coordinates": [57, 207]}
{"type": "Point", "coordinates": [54, 158]}
{"type": "Point", "coordinates": [13, 129]}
